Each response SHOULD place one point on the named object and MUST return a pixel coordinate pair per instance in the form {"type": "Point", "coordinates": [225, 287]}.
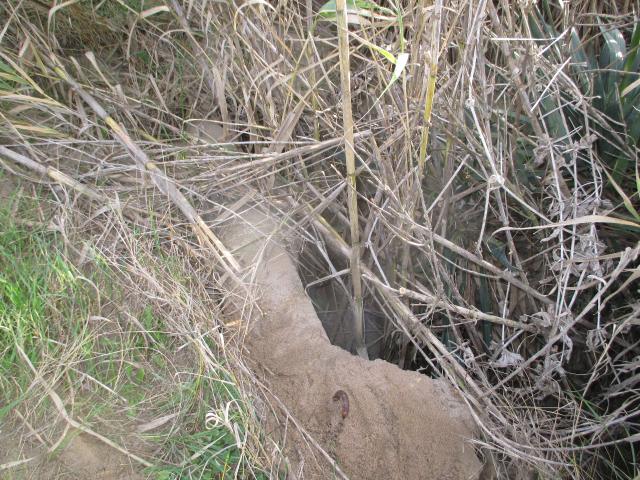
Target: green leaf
{"type": "Point", "coordinates": [553, 119]}
{"type": "Point", "coordinates": [580, 62]}
{"type": "Point", "coordinates": [159, 360]}
{"type": "Point", "coordinates": [632, 119]}
{"type": "Point", "coordinates": [355, 10]}
{"type": "Point", "coordinates": [637, 179]}
{"type": "Point", "coordinates": [8, 408]}
{"type": "Point", "coordinates": [147, 317]}
{"type": "Point", "coordinates": [545, 35]}
{"type": "Point", "coordinates": [625, 199]}
{"type": "Point", "coordinates": [389, 56]}
{"type": "Point", "coordinates": [400, 63]}
{"type": "Point", "coordinates": [359, 7]}
{"type": "Point", "coordinates": [14, 78]}
{"type": "Point", "coordinates": [499, 251]}
{"type": "Point", "coordinates": [631, 59]}
{"type": "Point", "coordinates": [612, 57]}
{"type": "Point", "coordinates": [7, 72]}
{"type": "Point", "coordinates": [140, 376]}
{"type": "Point", "coordinates": [485, 307]}
{"type": "Point", "coordinates": [598, 88]}
{"type": "Point", "coordinates": [6, 68]}
{"type": "Point", "coordinates": [550, 29]}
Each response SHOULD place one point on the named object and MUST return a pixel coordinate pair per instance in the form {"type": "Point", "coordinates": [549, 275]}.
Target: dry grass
{"type": "Point", "coordinates": [491, 206]}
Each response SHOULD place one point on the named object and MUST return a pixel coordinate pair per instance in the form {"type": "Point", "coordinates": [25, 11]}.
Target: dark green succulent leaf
{"type": "Point", "coordinates": [485, 307]}
{"type": "Point", "coordinates": [626, 231]}
{"type": "Point", "coordinates": [612, 57]}
{"type": "Point", "coordinates": [523, 174]}
{"type": "Point", "coordinates": [535, 29]}
{"type": "Point", "coordinates": [541, 31]}
{"type": "Point", "coordinates": [632, 119]}
{"type": "Point", "coordinates": [580, 62]}
{"type": "Point", "coordinates": [550, 28]}
{"type": "Point", "coordinates": [598, 86]}
{"type": "Point", "coordinates": [613, 107]}
{"type": "Point", "coordinates": [609, 151]}
{"type": "Point", "coordinates": [499, 251]}
{"type": "Point", "coordinates": [485, 297]}
{"type": "Point", "coordinates": [637, 179]}
{"type": "Point", "coordinates": [553, 118]}
{"type": "Point", "coordinates": [620, 167]}
{"type": "Point", "coordinates": [631, 103]}
{"type": "Point", "coordinates": [633, 59]}
{"type": "Point", "coordinates": [606, 87]}
{"type": "Point", "coordinates": [556, 126]}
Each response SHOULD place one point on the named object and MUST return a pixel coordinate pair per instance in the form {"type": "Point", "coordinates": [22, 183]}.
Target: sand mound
{"type": "Point", "coordinates": [400, 424]}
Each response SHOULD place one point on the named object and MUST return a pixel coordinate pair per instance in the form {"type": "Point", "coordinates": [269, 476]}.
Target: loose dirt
{"type": "Point", "coordinates": [401, 424]}
{"type": "Point", "coordinates": [81, 458]}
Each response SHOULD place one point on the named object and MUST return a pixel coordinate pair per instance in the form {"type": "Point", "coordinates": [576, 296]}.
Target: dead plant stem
{"type": "Point", "coordinates": [347, 116]}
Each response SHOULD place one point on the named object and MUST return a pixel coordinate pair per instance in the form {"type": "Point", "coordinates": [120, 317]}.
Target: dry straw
{"type": "Point", "coordinates": [486, 187]}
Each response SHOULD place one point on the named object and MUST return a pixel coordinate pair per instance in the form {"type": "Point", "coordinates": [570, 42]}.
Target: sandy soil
{"type": "Point", "coordinates": [400, 425]}
{"type": "Point", "coordinates": [84, 457]}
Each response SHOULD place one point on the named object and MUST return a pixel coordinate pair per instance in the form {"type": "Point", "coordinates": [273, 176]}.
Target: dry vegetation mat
{"type": "Point", "coordinates": [459, 181]}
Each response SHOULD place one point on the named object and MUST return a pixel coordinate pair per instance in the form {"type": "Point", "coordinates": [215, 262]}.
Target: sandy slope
{"type": "Point", "coordinates": [401, 425]}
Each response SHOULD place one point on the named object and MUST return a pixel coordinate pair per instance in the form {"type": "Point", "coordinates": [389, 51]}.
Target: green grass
{"type": "Point", "coordinates": [113, 369]}
{"type": "Point", "coordinates": [36, 286]}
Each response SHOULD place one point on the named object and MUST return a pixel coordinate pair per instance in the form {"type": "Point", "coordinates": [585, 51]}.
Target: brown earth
{"type": "Point", "coordinates": [401, 424]}
{"type": "Point", "coordinates": [82, 458]}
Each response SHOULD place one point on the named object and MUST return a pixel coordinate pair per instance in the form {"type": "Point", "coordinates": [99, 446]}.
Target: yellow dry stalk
{"type": "Point", "coordinates": [347, 116]}
{"type": "Point", "coordinates": [431, 87]}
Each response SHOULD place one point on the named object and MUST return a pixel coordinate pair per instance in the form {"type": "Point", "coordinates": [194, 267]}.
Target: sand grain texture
{"type": "Point", "coordinates": [401, 424]}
